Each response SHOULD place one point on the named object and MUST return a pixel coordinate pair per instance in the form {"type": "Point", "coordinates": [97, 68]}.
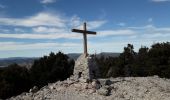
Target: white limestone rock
{"type": "Point", "coordinates": [34, 89]}
{"type": "Point", "coordinates": [96, 84]}
{"type": "Point", "coordinates": [103, 91]}
{"type": "Point", "coordinates": [128, 88]}
{"type": "Point", "coordinates": [86, 68]}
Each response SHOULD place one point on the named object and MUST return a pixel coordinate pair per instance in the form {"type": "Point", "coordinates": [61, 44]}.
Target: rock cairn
{"type": "Point", "coordinates": [86, 68]}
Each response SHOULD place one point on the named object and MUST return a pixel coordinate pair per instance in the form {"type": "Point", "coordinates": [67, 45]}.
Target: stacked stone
{"type": "Point", "coordinates": [86, 68]}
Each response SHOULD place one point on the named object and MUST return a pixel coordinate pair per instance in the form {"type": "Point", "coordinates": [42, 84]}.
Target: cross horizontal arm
{"type": "Point", "coordinates": [82, 31]}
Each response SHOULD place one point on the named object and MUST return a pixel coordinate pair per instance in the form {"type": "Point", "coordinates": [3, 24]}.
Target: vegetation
{"type": "Point", "coordinates": [15, 79]}
{"type": "Point", "coordinates": [145, 62]}
{"type": "Point", "coordinates": [51, 68]}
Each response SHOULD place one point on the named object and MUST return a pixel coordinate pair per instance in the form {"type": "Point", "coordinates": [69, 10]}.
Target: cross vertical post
{"type": "Point", "coordinates": [85, 40]}
{"type": "Point", "coordinates": [85, 32]}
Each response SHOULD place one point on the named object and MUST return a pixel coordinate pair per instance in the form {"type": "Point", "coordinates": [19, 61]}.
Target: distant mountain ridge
{"type": "Point", "coordinates": [105, 54]}
{"type": "Point", "coordinates": [30, 60]}
{"type": "Point", "coordinates": [19, 60]}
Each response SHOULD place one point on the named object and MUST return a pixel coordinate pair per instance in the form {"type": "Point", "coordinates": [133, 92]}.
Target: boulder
{"type": "Point", "coordinates": [85, 86]}
{"type": "Point", "coordinates": [34, 89]}
{"type": "Point", "coordinates": [70, 82]}
{"type": "Point", "coordinates": [90, 86]}
{"type": "Point", "coordinates": [103, 91]}
{"type": "Point", "coordinates": [96, 84]}
{"type": "Point", "coordinates": [92, 91]}
{"type": "Point", "coordinates": [77, 85]}
{"type": "Point", "coordinates": [59, 88]}
{"type": "Point", "coordinates": [82, 80]}
{"type": "Point", "coordinates": [52, 87]}
{"type": "Point", "coordinates": [108, 82]}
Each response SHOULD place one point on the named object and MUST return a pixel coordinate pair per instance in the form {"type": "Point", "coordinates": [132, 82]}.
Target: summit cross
{"type": "Point", "coordinates": [85, 32]}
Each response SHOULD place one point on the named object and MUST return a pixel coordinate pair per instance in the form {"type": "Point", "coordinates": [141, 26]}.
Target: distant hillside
{"type": "Point", "coordinates": [19, 60]}
{"type": "Point", "coordinates": [74, 55]}
{"type": "Point", "coordinates": [105, 54]}
{"type": "Point", "coordinates": [108, 54]}
{"type": "Point", "coordinates": [25, 61]}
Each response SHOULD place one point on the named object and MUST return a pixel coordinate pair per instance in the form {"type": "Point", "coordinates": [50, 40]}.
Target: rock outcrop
{"type": "Point", "coordinates": [121, 88]}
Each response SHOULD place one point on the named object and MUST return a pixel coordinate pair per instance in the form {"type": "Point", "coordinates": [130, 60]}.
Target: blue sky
{"type": "Point", "coordinates": [33, 28]}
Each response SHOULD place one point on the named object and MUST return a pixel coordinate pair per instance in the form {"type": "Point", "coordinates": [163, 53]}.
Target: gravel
{"type": "Point", "coordinates": [121, 88]}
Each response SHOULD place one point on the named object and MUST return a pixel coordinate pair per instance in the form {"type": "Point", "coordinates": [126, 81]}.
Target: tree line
{"type": "Point", "coordinates": [16, 79]}
{"type": "Point", "coordinates": [145, 62]}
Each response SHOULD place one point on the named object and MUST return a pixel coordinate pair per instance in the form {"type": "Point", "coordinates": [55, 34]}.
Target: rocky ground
{"type": "Point", "coordinates": [127, 88]}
